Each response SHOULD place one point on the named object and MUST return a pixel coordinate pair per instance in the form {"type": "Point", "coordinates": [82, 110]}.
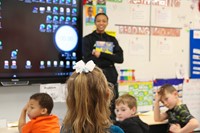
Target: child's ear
{"type": "Point", "coordinates": [176, 93]}
{"type": "Point", "coordinates": [44, 111]}
{"type": "Point", "coordinates": [134, 110]}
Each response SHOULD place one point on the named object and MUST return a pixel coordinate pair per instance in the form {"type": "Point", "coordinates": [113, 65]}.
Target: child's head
{"type": "Point", "coordinates": [40, 104]}
{"type": "Point", "coordinates": [125, 107]}
{"type": "Point", "coordinates": [169, 96]}
{"type": "Point", "coordinates": [88, 101]}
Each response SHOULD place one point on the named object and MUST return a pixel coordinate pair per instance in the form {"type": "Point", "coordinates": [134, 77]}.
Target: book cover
{"type": "Point", "coordinates": [106, 47]}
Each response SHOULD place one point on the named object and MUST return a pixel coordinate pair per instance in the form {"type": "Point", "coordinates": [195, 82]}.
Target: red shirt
{"type": "Point", "coordinates": [43, 124]}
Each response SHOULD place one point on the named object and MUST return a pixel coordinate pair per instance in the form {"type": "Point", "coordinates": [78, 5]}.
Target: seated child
{"type": "Point", "coordinates": [126, 109]}
{"type": "Point", "coordinates": [38, 109]}
{"type": "Point", "coordinates": [179, 118]}
{"type": "Point", "coordinates": [88, 101]}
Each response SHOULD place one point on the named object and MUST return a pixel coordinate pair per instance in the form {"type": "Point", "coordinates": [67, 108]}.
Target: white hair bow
{"type": "Point", "coordinates": [80, 66]}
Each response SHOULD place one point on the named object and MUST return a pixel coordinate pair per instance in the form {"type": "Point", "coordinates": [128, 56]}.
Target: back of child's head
{"type": "Point", "coordinates": [87, 101]}
{"type": "Point", "coordinates": [44, 100]}
{"type": "Point", "coordinates": [166, 89]}
{"type": "Point", "coordinates": [128, 99]}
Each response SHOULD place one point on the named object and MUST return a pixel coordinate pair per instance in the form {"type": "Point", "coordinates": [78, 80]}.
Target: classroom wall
{"type": "Point", "coordinates": [13, 99]}
{"type": "Point", "coordinates": [161, 51]}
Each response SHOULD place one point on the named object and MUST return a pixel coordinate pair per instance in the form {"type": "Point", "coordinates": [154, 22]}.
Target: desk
{"type": "Point", "coordinates": [9, 130]}
{"type": "Point", "coordinates": [154, 127]}
{"type": "Point", "coordinates": [149, 119]}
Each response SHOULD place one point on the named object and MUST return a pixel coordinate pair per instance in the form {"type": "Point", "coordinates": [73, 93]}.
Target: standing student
{"type": "Point", "coordinates": [179, 118]}
{"type": "Point", "coordinates": [88, 101]}
{"type": "Point", "coordinates": [106, 61]}
{"type": "Point", "coordinates": [126, 109]}
{"type": "Point", "coordinates": [39, 110]}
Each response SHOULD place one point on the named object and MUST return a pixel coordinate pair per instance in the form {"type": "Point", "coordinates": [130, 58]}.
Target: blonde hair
{"type": "Point", "coordinates": [166, 88]}
{"type": "Point", "coordinates": [88, 103]}
{"type": "Point", "coordinates": [127, 99]}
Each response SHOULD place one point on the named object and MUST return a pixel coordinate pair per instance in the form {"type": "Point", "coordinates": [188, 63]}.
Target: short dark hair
{"type": "Point", "coordinates": [44, 100]}
{"type": "Point", "coordinates": [99, 15]}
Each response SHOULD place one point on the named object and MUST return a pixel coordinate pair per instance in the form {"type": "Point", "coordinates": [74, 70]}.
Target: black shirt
{"type": "Point", "coordinates": [133, 125]}
{"type": "Point", "coordinates": [105, 61]}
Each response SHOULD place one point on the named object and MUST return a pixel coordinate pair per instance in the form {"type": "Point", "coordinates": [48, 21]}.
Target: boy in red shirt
{"type": "Point", "coordinates": [39, 110]}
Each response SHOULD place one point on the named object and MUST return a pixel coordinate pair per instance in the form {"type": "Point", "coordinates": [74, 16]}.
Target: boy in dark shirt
{"type": "Point", "coordinates": [126, 109]}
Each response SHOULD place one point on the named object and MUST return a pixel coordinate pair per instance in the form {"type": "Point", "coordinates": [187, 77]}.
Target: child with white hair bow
{"type": "Point", "coordinates": [88, 101]}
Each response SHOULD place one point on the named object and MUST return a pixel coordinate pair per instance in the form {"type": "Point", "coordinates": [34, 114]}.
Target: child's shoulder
{"type": "Point", "coordinates": [181, 107]}
{"type": "Point", "coordinates": [130, 121]}
{"type": "Point", "coordinates": [47, 118]}
{"type": "Point", "coordinates": [115, 129]}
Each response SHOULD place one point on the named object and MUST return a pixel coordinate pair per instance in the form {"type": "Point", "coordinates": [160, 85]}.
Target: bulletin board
{"type": "Point", "coordinates": [195, 53]}
{"type": "Point", "coordinates": [153, 35]}
{"type": "Point", "coordinates": [191, 97]}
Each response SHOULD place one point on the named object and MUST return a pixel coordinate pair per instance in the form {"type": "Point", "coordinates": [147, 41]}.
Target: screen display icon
{"type": "Point", "coordinates": [68, 10]}
{"type": "Point", "coordinates": [67, 64]}
{"type": "Point", "coordinates": [42, 28]}
{"type": "Point", "coordinates": [68, 20]}
{"type": "Point", "coordinates": [49, 28]}
{"type": "Point", "coordinates": [74, 11]}
{"type": "Point", "coordinates": [74, 20]}
{"type": "Point", "coordinates": [62, 10]}
{"type": "Point", "coordinates": [14, 64]}
{"type": "Point", "coordinates": [62, 2]}
{"type": "Point", "coordinates": [28, 64]}
{"type": "Point", "coordinates": [55, 1]}
{"type": "Point", "coordinates": [49, 19]}
{"type": "Point", "coordinates": [48, 1]}
{"type": "Point", "coordinates": [14, 54]}
{"type": "Point", "coordinates": [61, 64]}
{"type": "Point", "coordinates": [48, 9]}
{"type": "Point", "coordinates": [62, 20]}
{"type": "Point", "coordinates": [68, 2]}
{"type": "Point", "coordinates": [42, 66]}
{"type": "Point", "coordinates": [6, 64]}
{"type": "Point", "coordinates": [35, 10]}
{"type": "Point", "coordinates": [55, 19]}
{"type": "Point", "coordinates": [1, 45]}
{"type": "Point", "coordinates": [55, 63]}
{"type": "Point", "coordinates": [48, 63]}
{"type": "Point", "coordinates": [42, 9]}
{"type": "Point", "coordinates": [55, 10]}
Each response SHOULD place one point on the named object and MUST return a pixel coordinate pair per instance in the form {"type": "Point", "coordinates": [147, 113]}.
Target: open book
{"type": "Point", "coordinates": [106, 47]}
